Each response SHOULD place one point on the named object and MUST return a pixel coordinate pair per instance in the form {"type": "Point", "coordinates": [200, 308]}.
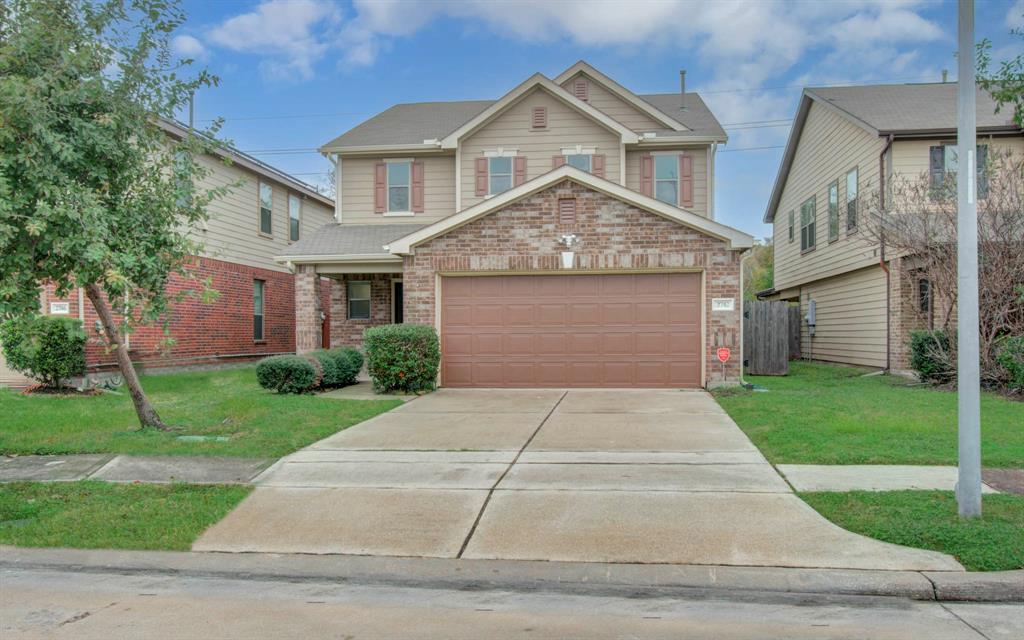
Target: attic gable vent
{"type": "Point", "coordinates": [581, 89]}
{"type": "Point", "coordinates": [539, 119]}
{"type": "Point", "coordinates": [567, 211]}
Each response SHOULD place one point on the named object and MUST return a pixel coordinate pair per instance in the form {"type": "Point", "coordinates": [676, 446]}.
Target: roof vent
{"type": "Point", "coordinates": [682, 89]}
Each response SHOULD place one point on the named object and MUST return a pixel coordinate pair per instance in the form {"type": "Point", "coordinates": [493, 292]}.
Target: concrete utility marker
{"type": "Point", "coordinates": [117, 468]}
{"type": "Point", "coordinates": [579, 475]}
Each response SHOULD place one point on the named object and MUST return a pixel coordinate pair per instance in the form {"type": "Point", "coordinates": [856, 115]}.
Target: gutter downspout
{"type": "Point", "coordinates": [743, 258]}
{"type": "Point", "coordinates": [881, 255]}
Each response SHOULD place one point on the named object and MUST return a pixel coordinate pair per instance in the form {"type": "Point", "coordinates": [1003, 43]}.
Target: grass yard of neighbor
{"type": "Point", "coordinates": [831, 414]}
{"type": "Point", "coordinates": [100, 515]}
{"type": "Point", "coordinates": [929, 520]}
{"type": "Point", "coordinates": [219, 403]}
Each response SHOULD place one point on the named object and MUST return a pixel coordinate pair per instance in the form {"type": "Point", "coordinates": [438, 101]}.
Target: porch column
{"type": "Point", "coordinates": [307, 309]}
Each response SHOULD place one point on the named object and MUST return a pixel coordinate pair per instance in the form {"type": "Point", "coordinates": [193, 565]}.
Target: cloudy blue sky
{"type": "Point", "coordinates": [296, 73]}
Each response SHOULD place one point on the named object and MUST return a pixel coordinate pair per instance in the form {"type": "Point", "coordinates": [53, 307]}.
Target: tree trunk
{"type": "Point", "coordinates": [147, 414]}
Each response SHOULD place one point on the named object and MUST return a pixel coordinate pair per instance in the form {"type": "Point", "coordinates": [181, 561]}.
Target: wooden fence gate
{"type": "Point", "coordinates": [766, 337]}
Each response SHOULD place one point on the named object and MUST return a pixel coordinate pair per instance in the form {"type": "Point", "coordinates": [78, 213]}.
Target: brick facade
{"type": "Point", "coordinates": [203, 333]}
{"type": "Point", "coordinates": [906, 314]}
{"type": "Point", "coordinates": [349, 333]}
{"type": "Point", "coordinates": [524, 237]}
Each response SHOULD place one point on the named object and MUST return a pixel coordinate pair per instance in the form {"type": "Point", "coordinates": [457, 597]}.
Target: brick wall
{"type": "Point", "coordinates": [906, 315]}
{"type": "Point", "coordinates": [349, 333]}
{"type": "Point", "coordinates": [204, 333]}
{"type": "Point", "coordinates": [613, 235]}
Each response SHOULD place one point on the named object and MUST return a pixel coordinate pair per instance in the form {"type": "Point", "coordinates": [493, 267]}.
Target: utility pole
{"type": "Point", "coordinates": [968, 486]}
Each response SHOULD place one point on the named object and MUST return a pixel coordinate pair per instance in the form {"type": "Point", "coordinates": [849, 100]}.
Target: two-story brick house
{"type": "Point", "coordinates": [562, 235]}
{"type": "Point", "coordinates": [253, 314]}
{"type": "Point", "coordinates": [842, 141]}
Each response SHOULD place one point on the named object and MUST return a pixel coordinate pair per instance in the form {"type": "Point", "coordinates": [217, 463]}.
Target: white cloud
{"type": "Point", "coordinates": [186, 46]}
{"type": "Point", "coordinates": [1015, 16]}
{"type": "Point", "coordinates": [288, 34]}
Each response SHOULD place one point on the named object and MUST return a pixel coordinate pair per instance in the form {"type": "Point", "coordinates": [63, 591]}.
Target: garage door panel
{"type": "Point", "coordinates": [575, 330]}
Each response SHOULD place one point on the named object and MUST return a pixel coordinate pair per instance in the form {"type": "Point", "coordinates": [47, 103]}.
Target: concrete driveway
{"type": "Point", "coordinates": [581, 475]}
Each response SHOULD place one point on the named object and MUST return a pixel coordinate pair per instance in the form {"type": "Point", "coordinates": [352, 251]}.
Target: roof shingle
{"type": "Point", "coordinates": [350, 239]}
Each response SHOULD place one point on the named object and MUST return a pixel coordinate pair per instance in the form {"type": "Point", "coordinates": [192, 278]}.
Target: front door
{"type": "Point", "coordinates": [397, 302]}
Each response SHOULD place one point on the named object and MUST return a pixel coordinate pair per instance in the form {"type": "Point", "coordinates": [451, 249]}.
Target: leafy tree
{"type": "Point", "coordinates": [760, 269]}
{"type": "Point", "coordinates": [1005, 83]}
{"type": "Point", "coordinates": [93, 191]}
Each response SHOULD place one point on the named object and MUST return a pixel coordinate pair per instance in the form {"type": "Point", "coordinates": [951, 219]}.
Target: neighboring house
{"type": "Point", "coordinates": [843, 139]}
{"type": "Point", "coordinates": [562, 235]}
{"type": "Point", "coordinates": [254, 314]}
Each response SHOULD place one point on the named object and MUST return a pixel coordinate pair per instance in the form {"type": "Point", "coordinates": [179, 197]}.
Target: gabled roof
{"type": "Point", "coordinates": [699, 120]}
{"type": "Point", "coordinates": [346, 241]}
{"type": "Point", "coordinates": [900, 110]}
{"type": "Point", "coordinates": [536, 81]}
{"type": "Point", "coordinates": [622, 92]}
{"type": "Point", "coordinates": [734, 237]}
{"type": "Point", "coordinates": [178, 130]}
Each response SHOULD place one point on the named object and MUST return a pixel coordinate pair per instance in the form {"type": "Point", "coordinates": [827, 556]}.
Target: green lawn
{"type": "Point", "coordinates": [928, 520]}
{"type": "Point", "coordinates": [225, 403]}
{"type": "Point", "coordinates": [828, 414]}
{"type": "Point", "coordinates": [99, 515]}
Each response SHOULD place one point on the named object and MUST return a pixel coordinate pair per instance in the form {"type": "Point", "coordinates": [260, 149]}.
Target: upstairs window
{"type": "Point", "coordinates": [942, 166]}
{"type": "Point", "coordinates": [582, 161]}
{"type": "Point", "coordinates": [666, 179]}
{"type": "Point", "coordinates": [851, 200]}
{"type": "Point", "coordinates": [792, 223]}
{"type": "Point", "coordinates": [266, 208]}
{"type": "Point", "coordinates": [294, 214]}
{"type": "Point", "coordinates": [499, 174]}
{"type": "Point", "coordinates": [399, 185]}
{"type": "Point", "coordinates": [833, 211]}
{"type": "Point", "coordinates": [807, 225]}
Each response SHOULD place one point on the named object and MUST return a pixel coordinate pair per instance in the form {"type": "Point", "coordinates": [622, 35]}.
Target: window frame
{"type": "Point", "coordinates": [387, 186]}
{"type": "Point", "coordinates": [583, 154]}
{"type": "Point", "coordinates": [349, 299]}
{"type": "Point", "coordinates": [833, 211]}
{"type": "Point", "coordinates": [855, 172]}
{"type": "Point", "coordinates": [260, 183]}
{"type": "Point", "coordinates": [490, 172]}
{"type": "Point", "coordinates": [294, 230]}
{"type": "Point", "coordinates": [980, 173]}
{"type": "Point", "coordinates": [808, 227]}
{"type": "Point", "coordinates": [674, 155]}
{"type": "Point", "coordinates": [259, 319]}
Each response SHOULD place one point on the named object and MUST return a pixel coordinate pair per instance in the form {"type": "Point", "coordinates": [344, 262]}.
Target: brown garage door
{"type": "Point", "coordinates": [623, 330]}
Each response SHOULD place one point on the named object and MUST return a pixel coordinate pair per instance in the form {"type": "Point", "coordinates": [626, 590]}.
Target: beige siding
{"type": "Point", "coordinates": [700, 173]}
{"type": "Point", "coordinates": [910, 157]}
{"type": "Point", "coordinates": [829, 146]}
{"type": "Point", "coordinates": [232, 232]}
{"type": "Point", "coordinates": [615, 107]}
{"type": "Point", "coordinates": [850, 314]}
{"type": "Point", "coordinates": [567, 127]}
{"type": "Point", "coordinates": [357, 191]}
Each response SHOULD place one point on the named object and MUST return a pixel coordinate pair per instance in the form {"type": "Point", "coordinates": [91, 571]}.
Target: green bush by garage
{"type": "Point", "coordinates": [402, 357]}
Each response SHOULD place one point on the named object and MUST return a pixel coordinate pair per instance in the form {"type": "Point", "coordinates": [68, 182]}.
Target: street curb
{"type": "Point", "coordinates": [655, 580]}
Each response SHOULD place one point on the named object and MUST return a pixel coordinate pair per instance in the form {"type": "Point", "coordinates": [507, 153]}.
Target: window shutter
{"type": "Point", "coordinates": [581, 89]}
{"type": "Point", "coordinates": [685, 180]}
{"type": "Point", "coordinates": [597, 165]}
{"type": "Point", "coordinates": [380, 187]}
{"type": "Point", "coordinates": [519, 172]}
{"type": "Point", "coordinates": [557, 161]}
{"type": "Point", "coordinates": [481, 176]}
{"type": "Point", "coordinates": [567, 211]}
{"type": "Point", "coordinates": [647, 175]}
{"type": "Point", "coordinates": [937, 164]}
{"type": "Point", "coordinates": [417, 187]}
{"type": "Point", "coordinates": [540, 118]}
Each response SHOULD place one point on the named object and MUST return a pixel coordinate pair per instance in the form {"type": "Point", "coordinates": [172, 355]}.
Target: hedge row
{"type": "Point", "coordinates": [303, 374]}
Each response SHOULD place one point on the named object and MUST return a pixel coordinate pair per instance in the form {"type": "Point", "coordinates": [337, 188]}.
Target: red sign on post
{"type": "Point", "coordinates": [723, 354]}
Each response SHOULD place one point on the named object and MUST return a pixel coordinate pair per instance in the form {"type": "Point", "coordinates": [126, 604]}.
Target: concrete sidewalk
{"type": "Point", "coordinates": [119, 468]}
{"type": "Point", "coordinates": [871, 477]}
{"type": "Point", "coordinates": [633, 476]}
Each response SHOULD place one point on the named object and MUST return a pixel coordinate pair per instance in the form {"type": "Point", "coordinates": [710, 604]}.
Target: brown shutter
{"type": "Point", "coordinates": [647, 175]}
{"type": "Point", "coordinates": [417, 187]}
{"type": "Point", "coordinates": [557, 161]}
{"type": "Point", "coordinates": [380, 187]}
{"type": "Point", "coordinates": [519, 170]}
{"type": "Point", "coordinates": [540, 118]}
{"type": "Point", "coordinates": [480, 176]}
{"type": "Point", "coordinates": [685, 180]}
{"type": "Point", "coordinates": [597, 165]}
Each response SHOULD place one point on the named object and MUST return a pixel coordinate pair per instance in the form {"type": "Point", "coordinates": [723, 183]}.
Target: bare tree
{"type": "Point", "coordinates": [914, 222]}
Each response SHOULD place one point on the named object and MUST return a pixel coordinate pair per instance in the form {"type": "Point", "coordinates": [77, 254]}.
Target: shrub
{"type": "Point", "coordinates": [49, 349]}
{"type": "Point", "coordinates": [930, 356]}
{"type": "Point", "coordinates": [348, 362]}
{"type": "Point", "coordinates": [402, 357]}
{"type": "Point", "coordinates": [329, 367]}
{"type": "Point", "coordinates": [289, 374]}
{"type": "Point", "coordinates": [1011, 357]}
